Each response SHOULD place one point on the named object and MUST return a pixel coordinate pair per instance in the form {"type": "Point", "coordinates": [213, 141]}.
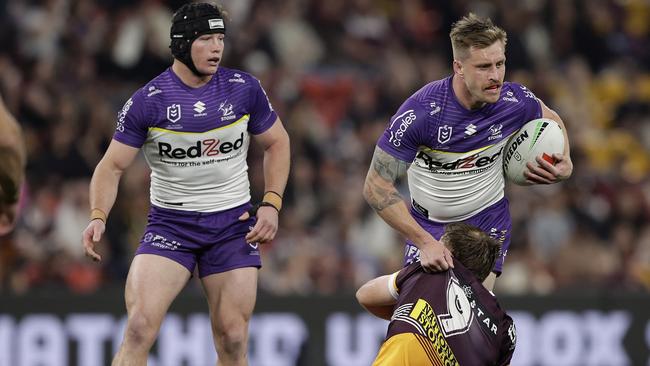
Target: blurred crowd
{"type": "Point", "coordinates": [335, 72]}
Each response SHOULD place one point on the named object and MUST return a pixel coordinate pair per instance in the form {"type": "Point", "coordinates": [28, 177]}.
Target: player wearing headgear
{"type": "Point", "coordinates": [443, 318]}
{"type": "Point", "coordinates": [449, 138]}
{"type": "Point", "coordinates": [12, 168]}
{"type": "Point", "coordinates": [194, 123]}
{"type": "Point", "coordinates": [188, 25]}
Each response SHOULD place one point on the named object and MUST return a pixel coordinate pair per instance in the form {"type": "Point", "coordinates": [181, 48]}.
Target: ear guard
{"type": "Point", "coordinates": [190, 22]}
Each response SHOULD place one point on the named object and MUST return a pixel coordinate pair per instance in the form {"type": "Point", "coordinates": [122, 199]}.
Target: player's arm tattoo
{"type": "Point", "coordinates": [385, 170]}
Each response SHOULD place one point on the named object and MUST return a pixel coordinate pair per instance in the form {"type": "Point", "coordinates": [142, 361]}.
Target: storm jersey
{"type": "Point", "coordinates": [456, 154]}
{"type": "Point", "coordinates": [445, 318]}
{"type": "Point", "coordinates": [196, 140]}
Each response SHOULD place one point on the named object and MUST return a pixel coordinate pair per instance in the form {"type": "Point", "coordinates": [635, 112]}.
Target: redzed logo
{"type": "Point", "coordinates": [207, 147]}
{"type": "Point", "coordinates": [473, 161]}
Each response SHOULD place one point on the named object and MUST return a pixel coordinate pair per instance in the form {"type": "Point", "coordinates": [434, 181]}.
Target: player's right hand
{"type": "Point", "coordinates": [435, 257]}
{"type": "Point", "coordinates": [91, 236]}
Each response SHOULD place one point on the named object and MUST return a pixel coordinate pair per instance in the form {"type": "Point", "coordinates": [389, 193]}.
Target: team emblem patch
{"type": "Point", "coordinates": [174, 112]}
{"type": "Point", "coordinates": [512, 333]}
{"type": "Point", "coordinates": [226, 110]}
{"type": "Point", "coordinates": [444, 134]}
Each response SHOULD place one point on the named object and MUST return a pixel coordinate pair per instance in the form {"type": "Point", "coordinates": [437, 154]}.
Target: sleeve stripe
{"type": "Point", "coordinates": [392, 285]}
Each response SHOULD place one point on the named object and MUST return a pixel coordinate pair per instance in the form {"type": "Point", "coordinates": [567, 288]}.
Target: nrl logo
{"type": "Point", "coordinates": [444, 133]}
{"type": "Point", "coordinates": [174, 112]}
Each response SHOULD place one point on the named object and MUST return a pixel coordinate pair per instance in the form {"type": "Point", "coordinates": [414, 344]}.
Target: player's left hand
{"type": "Point", "coordinates": [265, 227]}
{"type": "Point", "coordinates": [548, 173]}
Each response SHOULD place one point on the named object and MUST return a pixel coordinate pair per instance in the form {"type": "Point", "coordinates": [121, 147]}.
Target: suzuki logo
{"type": "Point", "coordinates": [470, 129]}
{"type": "Point", "coordinates": [174, 112]}
{"type": "Point", "coordinates": [199, 107]}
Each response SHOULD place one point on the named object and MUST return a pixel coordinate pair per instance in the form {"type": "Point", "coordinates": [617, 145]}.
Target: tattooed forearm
{"type": "Point", "coordinates": [387, 166]}
{"type": "Point", "coordinates": [379, 190]}
{"type": "Point", "coordinates": [379, 198]}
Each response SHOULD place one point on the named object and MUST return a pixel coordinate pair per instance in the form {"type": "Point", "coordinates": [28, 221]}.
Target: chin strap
{"type": "Point", "coordinates": [187, 61]}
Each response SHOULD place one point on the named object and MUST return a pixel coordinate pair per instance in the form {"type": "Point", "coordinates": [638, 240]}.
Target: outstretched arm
{"type": "Point", "coordinates": [545, 172]}
{"type": "Point", "coordinates": [380, 193]}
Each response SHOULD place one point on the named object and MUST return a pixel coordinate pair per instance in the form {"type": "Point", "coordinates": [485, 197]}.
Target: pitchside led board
{"type": "Point", "coordinates": [580, 330]}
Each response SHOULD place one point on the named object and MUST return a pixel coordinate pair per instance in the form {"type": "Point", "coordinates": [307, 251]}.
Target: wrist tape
{"type": "Point", "coordinates": [96, 213]}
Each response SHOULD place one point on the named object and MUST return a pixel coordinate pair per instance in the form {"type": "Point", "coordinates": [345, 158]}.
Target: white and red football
{"type": "Point", "coordinates": [540, 136]}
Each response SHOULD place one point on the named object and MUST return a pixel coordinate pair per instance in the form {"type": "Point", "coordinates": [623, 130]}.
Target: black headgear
{"type": "Point", "coordinates": [190, 22]}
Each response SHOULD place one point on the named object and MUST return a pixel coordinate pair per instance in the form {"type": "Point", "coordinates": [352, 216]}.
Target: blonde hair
{"type": "Point", "coordinates": [474, 31]}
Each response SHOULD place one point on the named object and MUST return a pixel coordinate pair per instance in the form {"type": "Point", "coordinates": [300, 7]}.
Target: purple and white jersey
{"type": "Point", "coordinates": [196, 139]}
{"type": "Point", "coordinates": [456, 154]}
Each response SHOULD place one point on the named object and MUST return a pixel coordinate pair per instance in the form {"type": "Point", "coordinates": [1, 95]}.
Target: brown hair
{"type": "Point", "coordinates": [473, 31]}
{"type": "Point", "coordinates": [472, 247]}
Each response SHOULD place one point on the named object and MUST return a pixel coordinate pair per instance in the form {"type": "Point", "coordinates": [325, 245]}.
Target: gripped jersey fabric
{"type": "Point", "coordinates": [446, 318]}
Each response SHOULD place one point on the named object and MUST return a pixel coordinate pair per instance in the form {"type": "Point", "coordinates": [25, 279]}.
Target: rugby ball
{"type": "Point", "coordinates": [540, 136]}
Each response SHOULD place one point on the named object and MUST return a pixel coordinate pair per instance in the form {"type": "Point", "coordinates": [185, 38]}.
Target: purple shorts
{"type": "Point", "coordinates": [215, 241]}
{"type": "Point", "coordinates": [494, 220]}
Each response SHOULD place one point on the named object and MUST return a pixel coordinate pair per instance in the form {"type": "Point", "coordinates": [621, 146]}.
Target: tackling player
{"type": "Point", "coordinates": [194, 123]}
{"type": "Point", "coordinates": [449, 138]}
{"type": "Point", "coordinates": [443, 318]}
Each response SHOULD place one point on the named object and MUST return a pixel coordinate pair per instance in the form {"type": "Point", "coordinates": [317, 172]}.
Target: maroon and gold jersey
{"type": "Point", "coordinates": [445, 318]}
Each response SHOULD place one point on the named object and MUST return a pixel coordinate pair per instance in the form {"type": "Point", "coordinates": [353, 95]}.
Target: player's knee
{"type": "Point", "coordinates": [232, 341]}
{"type": "Point", "coordinates": [231, 336]}
{"type": "Point", "coordinates": [140, 330]}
